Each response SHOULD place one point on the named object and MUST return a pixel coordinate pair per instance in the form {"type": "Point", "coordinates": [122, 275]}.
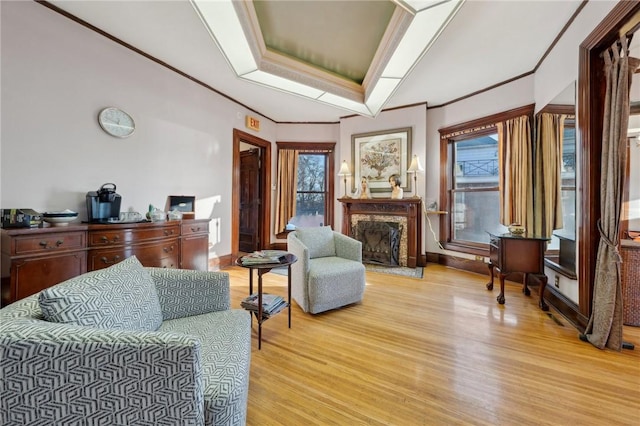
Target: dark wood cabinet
{"type": "Point", "coordinates": [154, 244]}
{"type": "Point", "coordinates": [34, 259]}
{"type": "Point", "coordinates": [509, 253]}
{"type": "Point", "coordinates": [194, 243]}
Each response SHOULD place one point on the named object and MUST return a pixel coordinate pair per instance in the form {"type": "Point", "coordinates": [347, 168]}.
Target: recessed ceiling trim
{"type": "Point", "coordinates": [427, 25]}
{"type": "Point", "coordinates": [392, 37]}
{"type": "Point", "coordinates": [292, 69]}
{"type": "Point", "coordinates": [405, 41]}
{"type": "Point", "coordinates": [415, 6]}
{"type": "Point", "coordinates": [224, 27]}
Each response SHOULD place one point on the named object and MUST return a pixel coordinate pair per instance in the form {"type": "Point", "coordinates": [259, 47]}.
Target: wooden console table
{"type": "Point", "coordinates": [411, 208]}
{"type": "Point", "coordinates": [518, 253]}
{"type": "Point", "coordinates": [36, 258]}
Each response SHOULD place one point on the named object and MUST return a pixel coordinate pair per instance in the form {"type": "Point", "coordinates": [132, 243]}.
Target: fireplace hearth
{"type": "Point", "coordinates": [380, 242]}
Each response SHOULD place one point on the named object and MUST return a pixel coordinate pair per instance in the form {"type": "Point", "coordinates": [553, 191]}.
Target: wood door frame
{"type": "Point", "coordinates": [591, 93]}
{"type": "Point", "coordinates": [265, 178]}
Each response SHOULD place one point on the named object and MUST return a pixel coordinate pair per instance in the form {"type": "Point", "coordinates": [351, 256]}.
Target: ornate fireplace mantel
{"type": "Point", "coordinates": [406, 209]}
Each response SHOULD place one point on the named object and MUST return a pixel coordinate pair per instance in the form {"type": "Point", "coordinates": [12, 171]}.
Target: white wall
{"type": "Point", "coordinates": [57, 75]}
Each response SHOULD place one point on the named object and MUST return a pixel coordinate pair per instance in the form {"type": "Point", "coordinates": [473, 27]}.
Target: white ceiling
{"type": "Point", "coordinates": [486, 43]}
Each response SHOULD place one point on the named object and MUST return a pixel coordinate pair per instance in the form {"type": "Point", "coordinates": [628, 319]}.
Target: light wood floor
{"type": "Point", "coordinates": [435, 351]}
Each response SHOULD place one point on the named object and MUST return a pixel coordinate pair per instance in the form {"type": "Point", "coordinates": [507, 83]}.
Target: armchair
{"type": "Point", "coordinates": [329, 273]}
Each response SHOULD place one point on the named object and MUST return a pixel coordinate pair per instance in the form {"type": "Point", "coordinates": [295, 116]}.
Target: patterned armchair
{"type": "Point", "coordinates": [329, 273]}
{"type": "Point", "coordinates": [126, 345]}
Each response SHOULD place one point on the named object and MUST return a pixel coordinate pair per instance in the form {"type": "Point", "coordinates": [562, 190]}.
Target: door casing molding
{"type": "Point", "coordinates": [265, 206]}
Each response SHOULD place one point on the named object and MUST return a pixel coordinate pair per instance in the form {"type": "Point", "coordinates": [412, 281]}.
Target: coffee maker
{"type": "Point", "coordinates": [103, 205]}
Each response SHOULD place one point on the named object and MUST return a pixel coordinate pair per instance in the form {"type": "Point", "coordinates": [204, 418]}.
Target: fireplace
{"type": "Point", "coordinates": [380, 242]}
{"type": "Point", "coordinates": [405, 215]}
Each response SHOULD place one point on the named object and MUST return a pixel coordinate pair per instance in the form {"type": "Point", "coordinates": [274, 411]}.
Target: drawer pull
{"type": "Point", "coordinates": [104, 239]}
{"type": "Point", "coordinates": [168, 249]}
{"type": "Point", "coordinates": [45, 244]}
{"type": "Point", "coordinates": [108, 262]}
{"type": "Point", "coordinates": [167, 233]}
{"type": "Point", "coordinates": [195, 229]}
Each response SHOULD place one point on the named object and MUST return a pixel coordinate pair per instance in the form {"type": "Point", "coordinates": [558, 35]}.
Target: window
{"type": "Point", "coordinates": [314, 190]}
{"type": "Point", "coordinates": [475, 195]}
{"type": "Point", "coordinates": [311, 196]}
{"type": "Point", "coordinates": [469, 183]}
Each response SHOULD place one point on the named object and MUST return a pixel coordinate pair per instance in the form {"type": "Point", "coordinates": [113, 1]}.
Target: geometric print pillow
{"type": "Point", "coordinates": [319, 241]}
{"type": "Point", "coordinates": [122, 296]}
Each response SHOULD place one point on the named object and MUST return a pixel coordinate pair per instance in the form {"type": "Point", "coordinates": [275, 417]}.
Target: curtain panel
{"type": "Point", "coordinates": [515, 160]}
{"type": "Point", "coordinates": [605, 324]}
{"type": "Point", "coordinates": [548, 174]}
{"type": "Point", "coordinates": [287, 188]}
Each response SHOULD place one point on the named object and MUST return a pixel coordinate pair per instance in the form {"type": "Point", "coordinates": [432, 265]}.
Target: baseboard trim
{"type": "Point", "coordinates": [221, 262]}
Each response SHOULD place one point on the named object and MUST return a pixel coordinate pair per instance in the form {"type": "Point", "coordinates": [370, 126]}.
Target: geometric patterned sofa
{"type": "Point", "coordinates": [126, 345]}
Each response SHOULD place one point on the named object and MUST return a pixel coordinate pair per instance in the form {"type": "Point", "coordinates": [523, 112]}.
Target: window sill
{"type": "Point", "coordinates": [565, 271]}
{"type": "Point", "coordinates": [478, 250]}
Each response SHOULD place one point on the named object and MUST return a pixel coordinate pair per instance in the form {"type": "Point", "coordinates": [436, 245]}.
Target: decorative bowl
{"type": "Point", "coordinates": [157, 216]}
{"type": "Point", "coordinates": [516, 229]}
{"type": "Point", "coordinates": [59, 218]}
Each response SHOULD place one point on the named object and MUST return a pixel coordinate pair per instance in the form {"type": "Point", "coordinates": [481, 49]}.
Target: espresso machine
{"type": "Point", "coordinates": [103, 205]}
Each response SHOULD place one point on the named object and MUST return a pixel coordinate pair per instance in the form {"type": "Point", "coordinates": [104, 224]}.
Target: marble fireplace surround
{"type": "Point", "coordinates": [406, 212]}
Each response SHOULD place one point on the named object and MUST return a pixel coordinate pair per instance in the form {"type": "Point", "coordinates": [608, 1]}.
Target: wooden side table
{"type": "Point", "coordinates": [518, 253]}
{"type": "Point", "coordinates": [263, 268]}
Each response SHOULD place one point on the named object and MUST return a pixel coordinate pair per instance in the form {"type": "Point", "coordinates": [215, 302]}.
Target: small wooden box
{"type": "Point", "coordinates": [183, 203]}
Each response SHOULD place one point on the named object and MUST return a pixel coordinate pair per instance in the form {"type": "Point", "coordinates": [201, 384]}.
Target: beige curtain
{"type": "Point", "coordinates": [605, 324]}
{"type": "Point", "coordinates": [515, 161]}
{"type": "Point", "coordinates": [548, 174]}
{"type": "Point", "coordinates": [287, 187]}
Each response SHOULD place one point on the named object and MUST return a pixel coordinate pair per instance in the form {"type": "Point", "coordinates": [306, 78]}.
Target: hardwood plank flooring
{"type": "Point", "coordinates": [434, 351]}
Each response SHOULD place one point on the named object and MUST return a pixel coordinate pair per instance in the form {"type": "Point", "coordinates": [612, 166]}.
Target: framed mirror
{"type": "Point", "coordinates": [556, 127]}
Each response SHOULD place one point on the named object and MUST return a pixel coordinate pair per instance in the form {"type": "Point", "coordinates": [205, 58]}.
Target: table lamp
{"type": "Point", "coordinates": [344, 171]}
{"type": "Point", "coordinates": [414, 168]}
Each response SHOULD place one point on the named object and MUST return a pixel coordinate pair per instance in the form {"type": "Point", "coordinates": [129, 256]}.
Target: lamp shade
{"type": "Point", "coordinates": [344, 169]}
{"type": "Point", "coordinates": [415, 165]}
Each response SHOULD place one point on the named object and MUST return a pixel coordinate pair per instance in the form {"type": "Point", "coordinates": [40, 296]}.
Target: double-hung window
{"type": "Point", "coordinates": [469, 183]}
{"type": "Point", "coordinates": [311, 199]}
{"type": "Point", "coordinates": [312, 191]}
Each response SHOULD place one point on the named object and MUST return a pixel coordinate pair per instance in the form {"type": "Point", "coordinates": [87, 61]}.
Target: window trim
{"type": "Point", "coordinates": [327, 148]}
{"type": "Point", "coordinates": [449, 136]}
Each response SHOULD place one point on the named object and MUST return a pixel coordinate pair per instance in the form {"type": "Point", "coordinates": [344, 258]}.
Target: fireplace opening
{"type": "Point", "coordinates": [380, 242]}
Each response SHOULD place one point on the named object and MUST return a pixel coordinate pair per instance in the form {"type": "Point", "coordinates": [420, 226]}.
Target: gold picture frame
{"type": "Point", "coordinates": [378, 155]}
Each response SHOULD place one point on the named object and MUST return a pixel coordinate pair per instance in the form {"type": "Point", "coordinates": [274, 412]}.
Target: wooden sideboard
{"type": "Point", "coordinates": [408, 208]}
{"type": "Point", "coordinates": [34, 259]}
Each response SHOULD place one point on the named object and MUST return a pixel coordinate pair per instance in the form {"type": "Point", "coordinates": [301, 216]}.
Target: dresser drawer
{"type": "Point", "coordinates": [195, 228]}
{"type": "Point", "coordinates": [160, 254]}
{"type": "Point", "coordinates": [50, 242]}
{"type": "Point", "coordinates": [115, 237]}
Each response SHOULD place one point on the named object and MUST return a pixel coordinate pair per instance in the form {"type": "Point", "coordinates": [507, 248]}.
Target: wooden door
{"type": "Point", "coordinates": [250, 200]}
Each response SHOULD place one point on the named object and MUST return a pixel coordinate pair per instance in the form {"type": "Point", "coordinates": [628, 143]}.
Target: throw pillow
{"type": "Point", "coordinates": [318, 240]}
{"type": "Point", "coordinates": [122, 296]}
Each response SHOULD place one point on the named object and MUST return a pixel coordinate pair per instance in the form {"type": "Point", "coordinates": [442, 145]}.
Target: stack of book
{"type": "Point", "coordinates": [271, 304]}
{"type": "Point", "coordinates": [264, 256]}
